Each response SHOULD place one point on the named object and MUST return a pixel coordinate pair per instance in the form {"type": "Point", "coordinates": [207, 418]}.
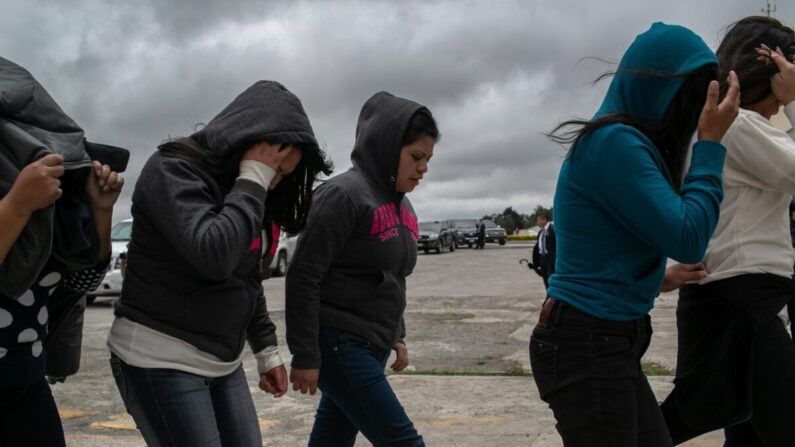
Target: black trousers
{"type": "Point", "coordinates": [29, 417]}
{"type": "Point", "coordinates": [736, 363]}
{"type": "Point", "coordinates": [588, 371]}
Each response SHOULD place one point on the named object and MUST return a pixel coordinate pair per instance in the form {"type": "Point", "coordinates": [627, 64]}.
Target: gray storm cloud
{"type": "Point", "coordinates": [497, 75]}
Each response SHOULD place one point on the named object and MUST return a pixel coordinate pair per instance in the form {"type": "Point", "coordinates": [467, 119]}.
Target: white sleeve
{"type": "Point", "coordinates": [267, 359]}
{"type": "Point", "coordinates": [766, 154]}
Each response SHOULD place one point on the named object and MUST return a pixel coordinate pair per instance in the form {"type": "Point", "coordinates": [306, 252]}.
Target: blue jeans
{"type": "Point", "coordinates": [174, 408]}
{"type": "Point", "coordinates": [29, 417]}
{"type": "Point", "coordinates": [356, 396]}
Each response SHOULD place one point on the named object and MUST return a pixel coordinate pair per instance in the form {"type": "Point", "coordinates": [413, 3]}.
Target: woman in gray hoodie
{"type": "Point", "coordinates": [346, 286]}
{"type": "Point", "coordinates": [192, 292]}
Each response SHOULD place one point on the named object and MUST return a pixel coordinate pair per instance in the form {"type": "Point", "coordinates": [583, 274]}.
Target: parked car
{"type": "Point", "coordinates": [111, 284]}
{"type": "Point", "coordinates": [284, 253]}
{"type": "Point", "coordinates": [435, 236]}
{"type": "Point", "coordinates": [467, 232]}
{"type": "Point", "coordinates": [494, 232]}
{"type": "Point", "coordinates": [460, 229]}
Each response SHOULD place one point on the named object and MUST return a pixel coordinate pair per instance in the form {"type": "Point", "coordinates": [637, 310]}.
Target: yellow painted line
{"type": "Point", "coordinates": [467, 421]}
{"type": "Point", "coordinates": [265, 424]}
{"type": "Point", "coordinates": [112, 425]}
{"type": "Point", "coordinates": [121, 421]}
{"type": "Point", "coordinates": [71, 413]}
{"type": "Point", "coordinates": [116, 417]}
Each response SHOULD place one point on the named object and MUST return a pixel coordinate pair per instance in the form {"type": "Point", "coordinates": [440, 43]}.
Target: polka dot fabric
{"type": "Point", "coordinates": [24, 319]}
{"type": "Point", "coordinates": [85, 280]}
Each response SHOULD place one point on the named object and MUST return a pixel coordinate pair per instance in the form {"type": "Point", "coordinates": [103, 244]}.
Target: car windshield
{"type": "Point", "coordinates": [466, 223]}
{"type": "Point", "coordinates": [489, 224]}
{"type": "Point", "coordinates": [121, 231]}
{"type": "Point", "coordinates": [430, 226]}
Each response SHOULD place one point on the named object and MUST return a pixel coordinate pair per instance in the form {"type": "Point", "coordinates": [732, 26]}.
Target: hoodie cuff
{"type": "Point", "coordinates": [708, 155]}
{"type": "Point", "coordinates": [268, 358]}
{"type": "Point", "coordinates": [257, 172]}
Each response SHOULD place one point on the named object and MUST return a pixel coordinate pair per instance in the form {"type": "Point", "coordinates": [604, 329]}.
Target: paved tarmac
{"type": "Point", "coordinates": [469, 313]}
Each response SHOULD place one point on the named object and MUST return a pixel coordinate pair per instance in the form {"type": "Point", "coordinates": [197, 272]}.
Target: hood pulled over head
{"type": "Point", "coordinates": [264, 111]}
{"type": "Point", "coordinates": [652, 71]}
{"type": "Point", "coordinates": [380, 131]}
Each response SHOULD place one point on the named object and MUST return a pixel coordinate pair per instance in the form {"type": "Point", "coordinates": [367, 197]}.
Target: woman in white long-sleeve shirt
{"type": "Point", "coordinates": [736, 361]}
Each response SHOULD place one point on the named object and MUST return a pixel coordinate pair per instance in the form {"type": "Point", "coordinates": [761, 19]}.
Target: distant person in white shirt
{"type": "Point", "coordinates": [736, 361]}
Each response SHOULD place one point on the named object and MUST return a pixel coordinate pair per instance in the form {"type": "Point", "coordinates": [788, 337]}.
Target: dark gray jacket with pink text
{"type": "Point", "coordinates": [350, 265]}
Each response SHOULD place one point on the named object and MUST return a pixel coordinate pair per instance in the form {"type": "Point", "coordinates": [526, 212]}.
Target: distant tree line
{"type": "Point", "coordinates": [512, 220]}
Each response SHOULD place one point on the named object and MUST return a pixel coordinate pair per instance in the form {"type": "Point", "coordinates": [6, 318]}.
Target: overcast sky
{"type": "Point", "coordinates": [496, 74]}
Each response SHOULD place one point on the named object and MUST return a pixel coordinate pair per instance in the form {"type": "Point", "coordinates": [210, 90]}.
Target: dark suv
{"type": "Point", "coordinates": [435, 236]}
{"type": "Point", "coordinates": [494, 232]}
{"type": "Point", "coordinates": [460, 229]}
{"type": "Point", "coordinates": [467, 233]}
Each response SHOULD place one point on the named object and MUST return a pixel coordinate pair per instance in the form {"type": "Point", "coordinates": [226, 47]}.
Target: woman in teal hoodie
{"type": "Point", "coordinates": [621, 178]}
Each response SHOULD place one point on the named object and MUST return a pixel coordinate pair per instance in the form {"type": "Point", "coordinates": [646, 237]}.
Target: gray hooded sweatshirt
{"type": "Point", "coordinates": [193, 259]}
{"type": "Point", "coordinates": [350, 265]}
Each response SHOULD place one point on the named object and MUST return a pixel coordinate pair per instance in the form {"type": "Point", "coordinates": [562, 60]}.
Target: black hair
{"type": "Point", "coordinates": [737, 51]}
{"type": "Point", "coordinates": [671, 135]}
{"type": "Point", "coordinates": [422, 124]}
{"type": "Point", "coordinates": [288, 204]}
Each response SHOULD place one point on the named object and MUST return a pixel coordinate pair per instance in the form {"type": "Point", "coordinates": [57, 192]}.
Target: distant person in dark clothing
{"type": "Point", "coordinates": [481, 242]}
{"type": "Point", "coordinates": [544, 250]}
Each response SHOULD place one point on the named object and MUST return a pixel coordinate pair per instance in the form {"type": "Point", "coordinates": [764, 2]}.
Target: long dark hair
{"type": "Point", "coordinates": [671, 135]}
{"type": "Point", "coordinates": [737, 51]}
{"type": "Point", "coordinates": [288, 204]}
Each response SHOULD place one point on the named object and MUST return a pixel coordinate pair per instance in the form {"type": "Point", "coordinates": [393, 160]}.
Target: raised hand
{"type": "Point", "coordinates": [270, 154]}
{"type": "Point", "coordinates": [37, 184]}
{"type": "Point", "coordinates": [103, 186]}
{"type": "Point", "coordinates": [716, 118]}
{"type": "Point", "coordinates": [783, 82]}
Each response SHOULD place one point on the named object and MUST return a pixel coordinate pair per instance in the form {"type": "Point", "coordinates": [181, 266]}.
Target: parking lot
{"type": "Point", "coordinates": [469, 318]}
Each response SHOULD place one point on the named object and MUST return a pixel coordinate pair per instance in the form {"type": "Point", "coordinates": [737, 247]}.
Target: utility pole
{"type": "Point", "coordinates": [770, 10]}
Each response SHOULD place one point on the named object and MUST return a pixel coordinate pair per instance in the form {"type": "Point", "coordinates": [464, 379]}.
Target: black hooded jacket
{"type": "Point", "coordinates": [32, 125]}
{"type": "Point", "coordinates": [350, 265]}
{"type": "Point", "coordinates": [192, 264]}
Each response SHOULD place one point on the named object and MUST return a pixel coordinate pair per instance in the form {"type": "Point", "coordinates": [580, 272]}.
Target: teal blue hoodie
{"type": "Point", "coordinates": [617, 215]}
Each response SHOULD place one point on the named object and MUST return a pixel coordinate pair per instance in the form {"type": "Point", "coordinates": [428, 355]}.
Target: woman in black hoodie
{"type": "Point", "coordinates": [192, 292]}
{"type": "Point", "coordinates": [346, 286]}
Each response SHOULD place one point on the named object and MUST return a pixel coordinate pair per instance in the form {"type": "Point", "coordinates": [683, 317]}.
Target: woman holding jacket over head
{"type": "Point", "coordinates": [594, 327]}
{"type": "Point", "coordinates": [192, 292]}
{"type": "Point", "coordinates": [346, 285]}
{"type": "Point", "coordinates": [736, 361]}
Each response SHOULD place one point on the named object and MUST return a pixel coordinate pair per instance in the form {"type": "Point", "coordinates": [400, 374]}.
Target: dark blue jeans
{"type": "Point", "coordinates": [588, 371]}
{"type": "Point", "coordinates": [174, 408]}
{"type": "Point", "coordinates": [29, 417]}
{"type": "Point", "coordinates": [356, 396]}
